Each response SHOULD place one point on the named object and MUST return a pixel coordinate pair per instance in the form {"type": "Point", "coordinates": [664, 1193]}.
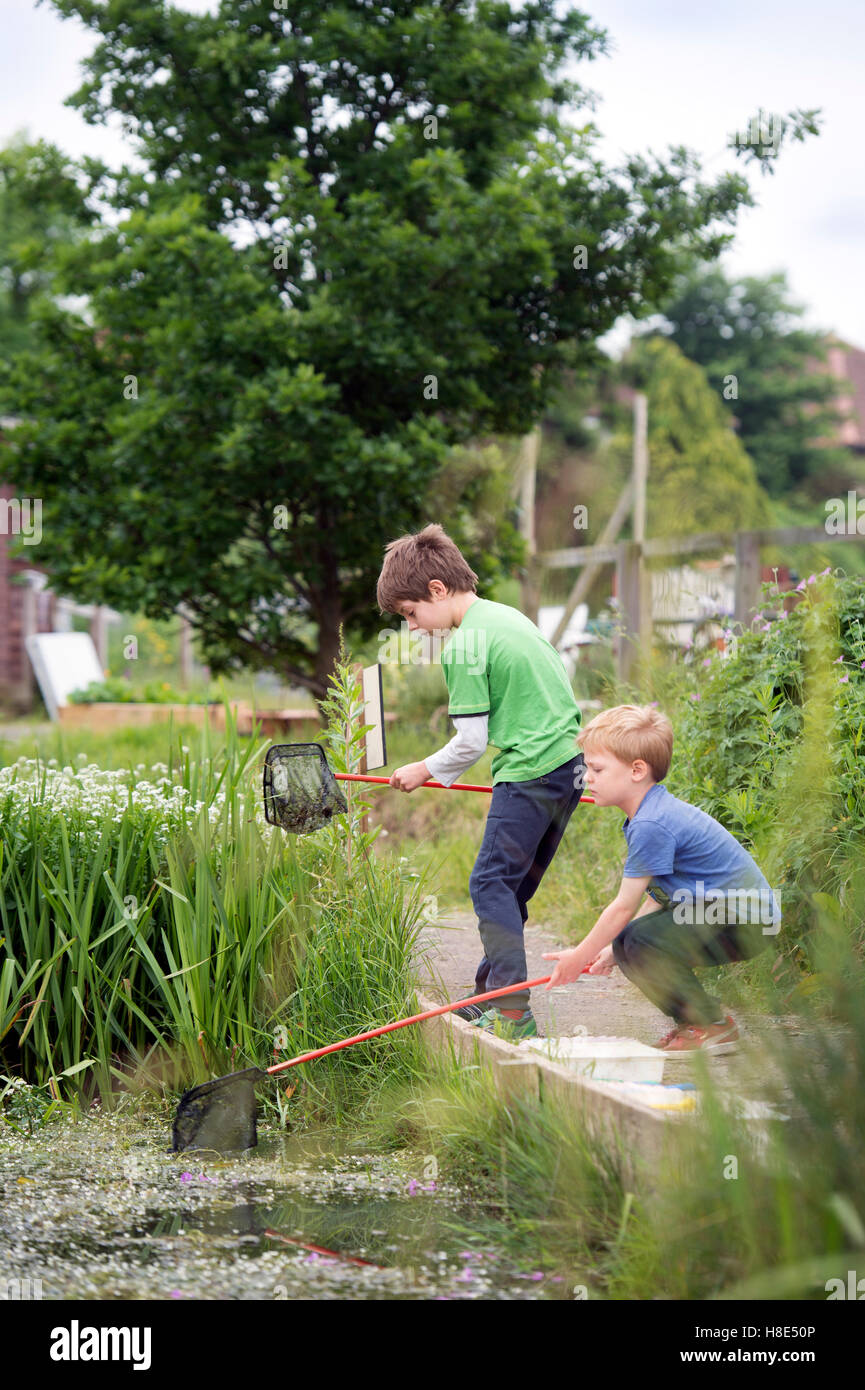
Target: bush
{"type": "Point", "coordinates": [116, 690]}
{"type": "Point", "coordinates": [769, 738]}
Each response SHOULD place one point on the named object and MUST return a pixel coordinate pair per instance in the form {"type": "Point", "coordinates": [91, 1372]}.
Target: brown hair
{"type": "Point", "coordinates": [630, 732]}
{"type": "Point", "coordinates": [412, 561]}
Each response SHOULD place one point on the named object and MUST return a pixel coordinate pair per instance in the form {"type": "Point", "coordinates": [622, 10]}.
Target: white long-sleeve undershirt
{"type": "Point", "coordinates": [466, 746]}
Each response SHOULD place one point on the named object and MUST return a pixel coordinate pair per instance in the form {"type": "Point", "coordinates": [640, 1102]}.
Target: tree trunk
{"type": "Point", "coordinates": [326, 600]}
{"type": "Point", "coordinates": [328, 616]}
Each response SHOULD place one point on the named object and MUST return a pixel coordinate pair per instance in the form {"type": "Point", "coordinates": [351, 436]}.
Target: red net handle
{"type": "Point", "coordinates": [455, 787]}
{"type": "Point", "coordinates": [405, 1022]}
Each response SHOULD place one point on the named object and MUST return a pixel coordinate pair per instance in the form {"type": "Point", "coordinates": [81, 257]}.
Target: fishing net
{"type": "Point", "coordinates": [219, 1114]}
{"type": "Point", "coordinates": [300, 791]}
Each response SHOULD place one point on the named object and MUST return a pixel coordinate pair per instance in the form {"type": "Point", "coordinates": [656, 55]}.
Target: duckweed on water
{"type": "Point", "coordinates": [100, 1210]}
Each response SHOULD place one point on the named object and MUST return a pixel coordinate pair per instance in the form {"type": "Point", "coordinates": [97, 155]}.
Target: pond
{"type": "Point", "coordinates": [99, 1209]}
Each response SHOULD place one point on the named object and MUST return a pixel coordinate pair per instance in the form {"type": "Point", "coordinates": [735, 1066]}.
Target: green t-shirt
{"type": "Point", "coordinates": [497, 662]}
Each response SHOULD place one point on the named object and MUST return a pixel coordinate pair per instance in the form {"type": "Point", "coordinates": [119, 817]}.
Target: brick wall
{"type": "Point", "coordinates": [15, 670]}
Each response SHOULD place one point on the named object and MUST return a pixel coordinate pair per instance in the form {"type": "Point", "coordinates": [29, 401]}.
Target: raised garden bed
{"type": "Point", "coordinates": [108, 715]}
{"type": "Point", "coordinates": [294, 725]}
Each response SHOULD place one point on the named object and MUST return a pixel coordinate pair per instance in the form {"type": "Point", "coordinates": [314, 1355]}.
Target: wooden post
{"type": "Point", "coordinates": [629, 588]}
{"type": "Point", "coordinates": [641, 477]}
{"type": "Point", "coordinates": [588, 574]}
{"type": "Point", "coordinates": [747, 575]}
{"type": "Point", "coordinates": [529, 451]}
{"type": "Point", "coordinates": [99, 633]}
{"type": "Point", "coordinates": [641, 463]}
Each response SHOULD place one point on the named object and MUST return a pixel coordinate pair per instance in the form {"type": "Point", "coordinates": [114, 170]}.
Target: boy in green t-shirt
{"type": "Point", "coordinates": [507, 686]}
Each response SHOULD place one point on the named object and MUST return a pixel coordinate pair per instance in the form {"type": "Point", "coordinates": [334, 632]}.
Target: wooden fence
{"type": "Point", "coordinates": [633, 578]}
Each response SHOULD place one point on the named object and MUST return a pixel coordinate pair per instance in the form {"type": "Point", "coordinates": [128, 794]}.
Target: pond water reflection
{"type": "Point", "coordinates": [100, 1210]}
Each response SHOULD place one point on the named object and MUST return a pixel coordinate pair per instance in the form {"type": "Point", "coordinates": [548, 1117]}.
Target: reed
{"type": "Point", "coordinates": [155, 929]}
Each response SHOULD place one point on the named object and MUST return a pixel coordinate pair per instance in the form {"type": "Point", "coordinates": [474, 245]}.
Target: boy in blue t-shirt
{"type": "Point", "coordinates": [708, 902]}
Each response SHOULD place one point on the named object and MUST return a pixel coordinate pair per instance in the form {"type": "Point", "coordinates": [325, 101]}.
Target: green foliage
{"type": "Point", "coordinates": [95, 911]}
{"type": "Point", "coordinates": [154, 931]}
{"type": "Point", "coordinates": [42, 206]}
{"type": "Point", "coordinates": [27, 1108]}
{"type": "Point", "coordinates": [770, 740]}
{"type": "Point", "coordinates": [763, 135]}
{"type": "Point", "coordinates": [472, 494]}
{"type": "Point", "coordinates": [156, 647]}
{"type": "Point", "coordinates": [701, 478]}
{"type": "Point", "coordinates": [246, 412]}
{"type": "Point", "coordinates": [116, 690]}
{"type": "Point", "coordinates": [356, 973]}
{"type": "Point", "coordinates": [783, 408]}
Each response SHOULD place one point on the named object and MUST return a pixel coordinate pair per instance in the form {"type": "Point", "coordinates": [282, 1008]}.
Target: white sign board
{"type": "Point", "coordinates": [373, 713]}
{"type": "Point", "coordinates": [63, 662]}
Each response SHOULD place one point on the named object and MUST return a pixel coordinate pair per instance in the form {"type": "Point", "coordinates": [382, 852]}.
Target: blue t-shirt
{"type": "Point", "coordinates": [698, 864]}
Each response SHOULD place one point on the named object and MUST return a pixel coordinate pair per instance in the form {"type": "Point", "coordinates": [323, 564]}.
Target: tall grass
{"type": "Point", "coordinates": [155, 929]}
{"type": "Point", "coordinates": [94, 930]}
{"type": "Point", "coordinates": [358, 972]}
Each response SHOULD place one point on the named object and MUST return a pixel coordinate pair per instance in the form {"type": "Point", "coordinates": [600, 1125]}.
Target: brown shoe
{"type": "Point", "coordinates": [663, 1043]}
{"type": "Point", "coordinates": [715, 1038]}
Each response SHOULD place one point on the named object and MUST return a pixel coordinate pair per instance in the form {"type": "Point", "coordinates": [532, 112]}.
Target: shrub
{"type": "Point", "coordinates": [769, 738]}
{"type": "Point", "coordinates": [117, 690]}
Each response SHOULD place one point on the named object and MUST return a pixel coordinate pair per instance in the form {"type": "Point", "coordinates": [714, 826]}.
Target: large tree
{"type": "Point", "coordinates": [361, 236]}
{"type": "Point", "coordinates": [746, 333]}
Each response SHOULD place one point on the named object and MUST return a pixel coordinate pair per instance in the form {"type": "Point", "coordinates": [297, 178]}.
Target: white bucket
{"type": "Point", "coordinates": [601, 1058]}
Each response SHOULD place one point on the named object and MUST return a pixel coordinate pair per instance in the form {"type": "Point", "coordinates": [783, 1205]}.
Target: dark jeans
{"type": "Point", "coordinates": [524, 828]}
{"type": "Point", "coordinates": [659, 955]}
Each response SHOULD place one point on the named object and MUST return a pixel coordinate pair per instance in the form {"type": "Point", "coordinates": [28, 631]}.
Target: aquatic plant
{"type": "Point", "coordinates": [155, 929]}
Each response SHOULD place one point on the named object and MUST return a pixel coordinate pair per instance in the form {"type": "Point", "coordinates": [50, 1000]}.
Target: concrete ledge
{"type": "Point", "coordinates": [644, 1137]}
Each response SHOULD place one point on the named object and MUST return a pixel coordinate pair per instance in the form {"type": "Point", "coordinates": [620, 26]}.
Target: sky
{"type": "Point", "coordinates": [680, 72]}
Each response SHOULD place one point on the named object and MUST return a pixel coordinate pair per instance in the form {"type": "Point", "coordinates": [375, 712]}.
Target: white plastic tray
{"type": "Point", "coordinates": [602, 1058]}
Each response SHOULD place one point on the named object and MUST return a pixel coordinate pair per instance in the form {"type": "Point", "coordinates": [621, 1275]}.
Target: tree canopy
{"type": "Point", "coordinates": [42, 204]}
{"type": "Point", "coordinates": [746, 331]}
{"type": "Point", "coordinates": [361, 236]}
{"type": "Point", "coordinates": [700, 476]}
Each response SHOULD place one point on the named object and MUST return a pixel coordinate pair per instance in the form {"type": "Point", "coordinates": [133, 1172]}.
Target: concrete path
{"type": "Point", "coordinates": [604, 1005]}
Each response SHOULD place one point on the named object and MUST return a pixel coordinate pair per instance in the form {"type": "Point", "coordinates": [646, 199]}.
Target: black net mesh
{"type": "Point", "coordinates": [300, 791]}
{"type": "Point", "coordinates": [219, 1114]}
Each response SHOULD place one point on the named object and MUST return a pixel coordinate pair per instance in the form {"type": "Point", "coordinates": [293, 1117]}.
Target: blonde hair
{"type": "Point", "coordinates": [630, 732]}
{"type": "Point", "coordinates": [412, 561]}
